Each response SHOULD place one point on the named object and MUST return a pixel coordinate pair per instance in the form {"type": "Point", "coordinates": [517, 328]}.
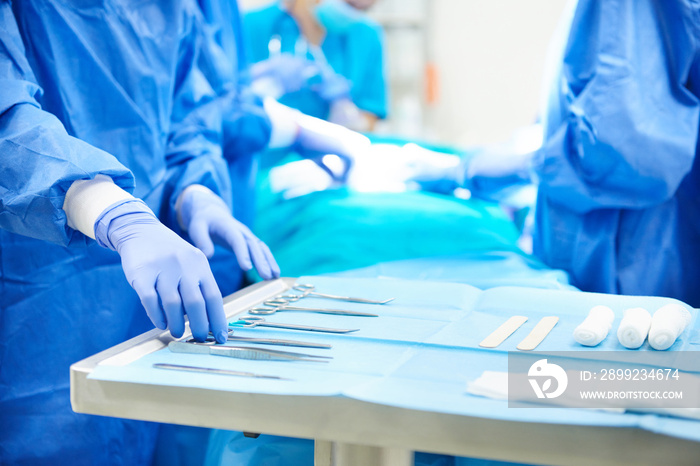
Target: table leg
{"type": "Point", "coordinates": [345, 454]}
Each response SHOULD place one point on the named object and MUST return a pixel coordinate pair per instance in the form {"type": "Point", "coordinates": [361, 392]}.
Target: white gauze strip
{"type": "Point", "coordinates": [87, 199]}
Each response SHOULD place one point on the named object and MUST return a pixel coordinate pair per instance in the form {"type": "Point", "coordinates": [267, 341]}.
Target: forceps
{"type": "Point", "coordinates": [243, 352]}
{"type": "Point", "coordinates": [264, 341]}
{"type": "Point", "coordinates": [282, 304]}
{"type": "Point", "coordinates": [212, 370]}
{"type": "Point", "coordinates": [255, 321]}
{"type": "Point", "coordinates": [308, 290]}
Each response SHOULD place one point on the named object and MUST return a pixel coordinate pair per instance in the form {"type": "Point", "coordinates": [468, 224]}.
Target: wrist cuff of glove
{"type": "Point", "coordinates": [283, 123]}
{"type": "Point", "coordinates": [86, 199]}
{"type": "Point", "coordinates": [115, 215]}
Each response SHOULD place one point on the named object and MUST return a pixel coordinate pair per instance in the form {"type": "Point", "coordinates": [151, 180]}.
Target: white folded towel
{"type": "Point", "coordinates": [634, 327]}
{"type": "Point", "coordinates": [667, 325]}
{"type": "Point", "coordinates": [595, 327]}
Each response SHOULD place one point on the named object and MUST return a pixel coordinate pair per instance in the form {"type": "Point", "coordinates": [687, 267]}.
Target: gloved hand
{"type": "Point", "coordinates": [317, 138]}
{"type": "Point", "coordinates": [345, 113]}
{"type": "Point", "coordinates": [171, 277]}
{"type": "Point", "coordinates": [330, 86]}
{"type": "Point", "coordinates": [282, 74]}
{"type": "Point", "coordinates": [494, 175]}
{"type": "Point", "coordinates": [208, 220]}
{"type": "Point", "coordinates": [314, 139]}
{"type": "Point", "coordinates": [432, 171]}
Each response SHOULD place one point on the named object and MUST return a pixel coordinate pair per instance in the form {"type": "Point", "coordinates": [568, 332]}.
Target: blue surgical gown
{"type": "Point", "coordinates": [619, 193]}
{"type": "Point", "coordinates": [355, 53]}
{"type": "Point", "coordinates": [86, 88]}
{"type": "Point", "coordinates": [246, 126]}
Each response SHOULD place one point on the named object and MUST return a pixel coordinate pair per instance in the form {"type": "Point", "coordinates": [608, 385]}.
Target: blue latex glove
{"type": "Point", "coordinates": [495, 175]}
{"type": "Point", "coordinates": [331, 86]}
{"type": "Point", "coordinates": [208, 220]}
{"type": "Point", "coordinates": [317, 138]}
{"type": "Point", "coordinates": [171, 277]}
{"type": "Point", "coordinates": [282, 74]}
{"type": "Point", "coordinates": [345, 113]}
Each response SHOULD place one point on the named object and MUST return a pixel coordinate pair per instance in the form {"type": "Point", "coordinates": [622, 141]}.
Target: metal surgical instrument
{"type": "Point", "coordinates": [308, 290]}
{"type": "Point", "coordinates": [242, 352]}
{"type": "Point", "coordinates": [282, 304]}
{"type": "Point", "coordinates": [212, 370]}
{"type": "Point", "coordinates": [266, 341]}
{"type": "Point", "coordinates": [255, 321]}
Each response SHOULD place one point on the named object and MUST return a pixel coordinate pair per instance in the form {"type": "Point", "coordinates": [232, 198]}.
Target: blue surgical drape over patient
{"type": "Point", "coordinates": [619, 202]}
{"type": "Point", "coordinates": [87, 88]}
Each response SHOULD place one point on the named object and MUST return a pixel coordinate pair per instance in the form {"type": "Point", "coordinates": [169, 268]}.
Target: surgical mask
{"type": "Point", "coordinates": [336, 15]}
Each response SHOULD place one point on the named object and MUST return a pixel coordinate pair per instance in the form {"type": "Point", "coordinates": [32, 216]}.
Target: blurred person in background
{"type": "Point", "coordinates": [323, 57]}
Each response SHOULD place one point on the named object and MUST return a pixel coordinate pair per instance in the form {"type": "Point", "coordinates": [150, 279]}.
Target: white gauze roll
{"type": "Point", "coordinates": [634, 327]}
{"type": "Point", "coordinates": [667, 324]}
{"type": "Point", "coordinates": [595, 326]}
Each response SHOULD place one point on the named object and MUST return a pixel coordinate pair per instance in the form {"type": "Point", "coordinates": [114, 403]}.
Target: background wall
{"type": "Point", "coordinates": [488, 61]}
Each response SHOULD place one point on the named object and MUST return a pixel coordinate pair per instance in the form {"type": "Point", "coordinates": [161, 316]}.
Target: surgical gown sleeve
{"type": "Point", "coordinates": [194, 144]}
{"type": "Point", "coordinates": [39, 160]}
{"type": "Point", "coordinates": [628, 123]}
{"type": "Point", "coordinates": [246, 126]}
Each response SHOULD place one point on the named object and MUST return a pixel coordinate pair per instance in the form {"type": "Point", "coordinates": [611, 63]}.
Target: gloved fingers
{"type": "Point", "coordinates": [195, 308]}
{"type": "Point", "coordinates": [274, 267]}
{"type": "Point", "coordinates": [149, 300]}
{"type": "Point", "coordinates": [347, 161]}
{"type": "Point", "coordinates": [234, 237]}
{"type": "Point", "coordinates": [199, 234]}
{"type": "Point", "coordinates": [171, 303]}
{"type": "Point", "coordinates": [341, 177]}
{"type": "Point", "coordinates": [260, 260]}
{"type": "Point", "coordinates": [215, 309]}
{"type": "Point", "coordinates": [319, 161]}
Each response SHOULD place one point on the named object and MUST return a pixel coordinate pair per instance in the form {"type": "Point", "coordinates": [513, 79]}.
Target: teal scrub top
{"type": "Point", "coordinates": [356, 53]}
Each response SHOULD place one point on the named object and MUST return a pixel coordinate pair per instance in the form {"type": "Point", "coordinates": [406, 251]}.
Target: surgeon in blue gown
{"type": "Point", "coordinates": [97, 101]}
{"type": "Point", "coordinates": [618, 172]}
{"type": "Point", "coordinates": [327, 57]}
{"type": "Point", "coordinates": [619, 176]}
{"type": "Point", "coordinates": [252, 125]}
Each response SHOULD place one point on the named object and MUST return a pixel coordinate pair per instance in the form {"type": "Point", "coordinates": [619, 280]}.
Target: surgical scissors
{"type": "Point", "coordinates": [308, 290]}
{"type": "Point", "coordinates": [243, 352]}
{"type": "Point", "coordinates": [255, 321]}
{"type": "Point", "coordinates": [282, 304]}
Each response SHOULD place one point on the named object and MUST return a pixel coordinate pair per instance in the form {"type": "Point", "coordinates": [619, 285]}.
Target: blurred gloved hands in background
{"type": "Point", "coordinates": [320, 140]}
{"type": "Point", "coordinates": [430, 170]}
{"type": "Point", "coordinates": [282, 74]}
{"type": "Point", "coordinates": [496, 175]}
{"type": "Point", "coordinates": [171, 277]}
{"type": "Point", "coordinates": [344, 112]}
{"type": "Point", "coordinates": [332, 147]}
{"type": "Point", "coordinates": [208, 220]}
{"type": "Point", "coordinates": [330, 86]}
{"type": "Point", "coordinates": [287, 73]}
